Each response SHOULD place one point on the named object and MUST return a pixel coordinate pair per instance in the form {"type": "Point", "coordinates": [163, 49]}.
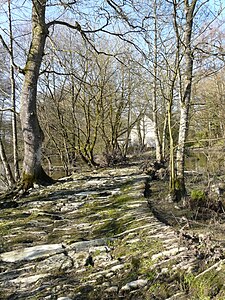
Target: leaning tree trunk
{"type": "Point", "coordinates": [186, 98]}
{"type": "Point", "coordinates": [32, 133]}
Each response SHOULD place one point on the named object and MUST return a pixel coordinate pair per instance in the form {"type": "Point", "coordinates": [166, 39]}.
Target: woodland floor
{"type": "Point", "coordinates": [111, 234]}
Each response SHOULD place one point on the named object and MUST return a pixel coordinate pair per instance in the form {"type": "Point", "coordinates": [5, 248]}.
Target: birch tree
{"type": "Point", "coordinates": [189, 10]}
{"type": "Point", "coordinates": [158, 144]}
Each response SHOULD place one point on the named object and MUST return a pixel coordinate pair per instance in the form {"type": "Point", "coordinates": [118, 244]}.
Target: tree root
{"type": "Point", "coordinates": [9, 198]}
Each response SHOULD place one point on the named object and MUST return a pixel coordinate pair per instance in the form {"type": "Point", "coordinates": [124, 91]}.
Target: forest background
{"type": "Point", "coordinates": [78, 76]}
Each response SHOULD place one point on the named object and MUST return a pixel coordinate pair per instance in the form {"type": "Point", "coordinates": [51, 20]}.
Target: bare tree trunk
{"type": "Point", "coordinates": [165, 126]}
{"type": "Point", "coordinates": [32, 133]}
{"type": "Point", "coordinates": [173, 174]}
{"type": "Point", "coordinates": [186, 97]}
{"type": "Point", "coordinates": [171, 144]}
{"type": "Point", "coordinates": [13, 100]}
{"type": "Point", "coordinates": [140, 125]}
{"type": "Point", "coordinates": [127, 139]}
{"type": "Point", "coordinates": [7, 169]}
{"type": "Point", "coordinates": [158, 144]}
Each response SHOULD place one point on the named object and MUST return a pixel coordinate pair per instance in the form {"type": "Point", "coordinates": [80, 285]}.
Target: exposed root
{"type": "Point", "coordinates": [9, 198]}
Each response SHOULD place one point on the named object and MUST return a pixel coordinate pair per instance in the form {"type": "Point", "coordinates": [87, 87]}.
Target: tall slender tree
{"type": "Point", "coordinates": [158, 143]}
{"type": "Point", "coordinates": [185, 99]}
{"type": "Point", "coordinates": [13, 98]}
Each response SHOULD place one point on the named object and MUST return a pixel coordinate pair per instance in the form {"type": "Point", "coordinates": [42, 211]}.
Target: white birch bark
{"type": "Point", "coordinates": [186, 97]}
{"type": "Point", "coordinates": [158, 146]}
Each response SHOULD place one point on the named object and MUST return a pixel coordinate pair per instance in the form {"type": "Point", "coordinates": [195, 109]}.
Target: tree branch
{"type": "Point", "coordinates": [9, 52]}
{"type": "Point", "coordinates": [219, 55]}
{"type": "Point", "coordinates": [76, 26]}
{"type": "Point", "coordinates": [64, 74]}
{"type": "Point", "coordinates": [7, 109]}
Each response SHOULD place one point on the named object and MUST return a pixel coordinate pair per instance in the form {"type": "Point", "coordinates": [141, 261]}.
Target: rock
{"type": "Point", "coordinates": [117, 268]}
{"type": "Point", "coordinates": [110, 274]}
{"type": "Point", "coordinates": [112, 289]}
{"type": "Point", "coordinates": [28, 279]}
{"type": "Point", "coordinates": [100, 249]}
{"type": "Point", "coordinates": [69, 207]}
{"type": "Point", "coordinates": [106, 284]}
{"type": "Point", "coordinates": [82, 246]}
{"type": "Point", "coordinates": [168, 253]}
{"type": "Point", "coordinates": [178, 296]}
{"type": "Point", "coordinates": [101, 218]}
{"type": "Point", "coordinates": [217, 189]}
{"type": "Point", "coordinates": [140, 283]}
{"type": "Point", "coordinates": [32, 253]}
{"type": "Point", "coordinates": [125, 288]}
{"type": "Point", "coordinates": [56, 262]}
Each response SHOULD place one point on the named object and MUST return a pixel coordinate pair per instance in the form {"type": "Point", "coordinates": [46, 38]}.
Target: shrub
{"type": "Point", "coordinates": [198, 198]}
{"type": "Point", "coordinates": [198, 195]}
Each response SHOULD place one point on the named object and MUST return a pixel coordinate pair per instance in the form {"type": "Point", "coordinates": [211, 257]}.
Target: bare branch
{"type": "Point", "coordinates": [122, 14]}
{"type": "Point", "coordinates": [219, 54]}
{"type": "Point", "coordinates": [65, 74]}
{"type": "Point", "coordinates": [61, 3]}
{"type": "Point", "coordinates": [20, 70]}
{"type": "Point", "coordinates": [4, 44]}
{"type": "Point", "coordinates": [7, 109]}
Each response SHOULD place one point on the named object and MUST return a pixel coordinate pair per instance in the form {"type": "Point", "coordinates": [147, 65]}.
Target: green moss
{"type": "Point", "coordinates": [111, 227]}
{"type": "Point", "coordinates": [198, 195]}
{"type": "Point", "coordinates": [4, 227]}
{"type": "Point", "coordinates": [121, 199]}
{"type": "Point", "coordinates": [158, 291]}
{"type": "Point", "coordinates": [178, 184]}
{"type": "Point", "coordinates": [27, 181]}
{"type": "Point", "coordinates": [69, 236]}
{"type": "Point", "coordinates": [138, 265]}
{"type": "Point", "coordinates": [198, 199]}
{"type": "Point", "coordinates": [17, 226]}
{"type": "Point", "coordinates": [108, 213]}
{"type": "Point", "coordinates": [208, 286]}
{"type": "Point", "coordinates": [22, 239]}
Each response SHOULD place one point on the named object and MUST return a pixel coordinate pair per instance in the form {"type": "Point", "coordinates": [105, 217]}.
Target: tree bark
{"type": "Point", "coordinates": [158, 145]}
{"type": "Point", "coordinates": [6, 166]}
{"type": "Point", "coordinates": [13, 100]}
{"type": "Point", "coordinates": [186, 97]}
{"type": "Point", "coordinates": [32, 133]}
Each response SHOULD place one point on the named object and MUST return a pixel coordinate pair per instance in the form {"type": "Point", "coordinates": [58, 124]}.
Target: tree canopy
{"type": "Point", "coordinates": [82, 74]}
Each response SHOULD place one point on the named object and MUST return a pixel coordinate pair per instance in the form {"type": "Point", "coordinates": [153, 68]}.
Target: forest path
{"type": "Point", "coordinates": [92, 236]}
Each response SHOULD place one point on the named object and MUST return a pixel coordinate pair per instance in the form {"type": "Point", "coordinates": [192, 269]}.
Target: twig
{"type": "Point", "coordinates": [210, 268]}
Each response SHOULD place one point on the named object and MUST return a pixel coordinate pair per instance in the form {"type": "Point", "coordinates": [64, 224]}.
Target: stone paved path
{"type": "Point", "coordinates": [90, 237]}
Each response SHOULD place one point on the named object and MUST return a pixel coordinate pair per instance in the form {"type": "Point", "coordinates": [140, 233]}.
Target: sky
{"type": "Point", "coordinates": [21, 9]}
{"type": "Point", "coordinates": [21, 14]}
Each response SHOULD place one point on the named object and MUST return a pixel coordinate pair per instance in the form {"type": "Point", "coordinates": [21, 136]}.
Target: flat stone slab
{"type": "Point", "coordinates": [140, 283]}
{"type": "Point", "coordinates": [29, 279]}
{"type": "Point", "coordinates": [95, 238]}
{"type": "Point", "coordinates": [32, 253]}
{"type": "Point", "coordinates": [81, 246]}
